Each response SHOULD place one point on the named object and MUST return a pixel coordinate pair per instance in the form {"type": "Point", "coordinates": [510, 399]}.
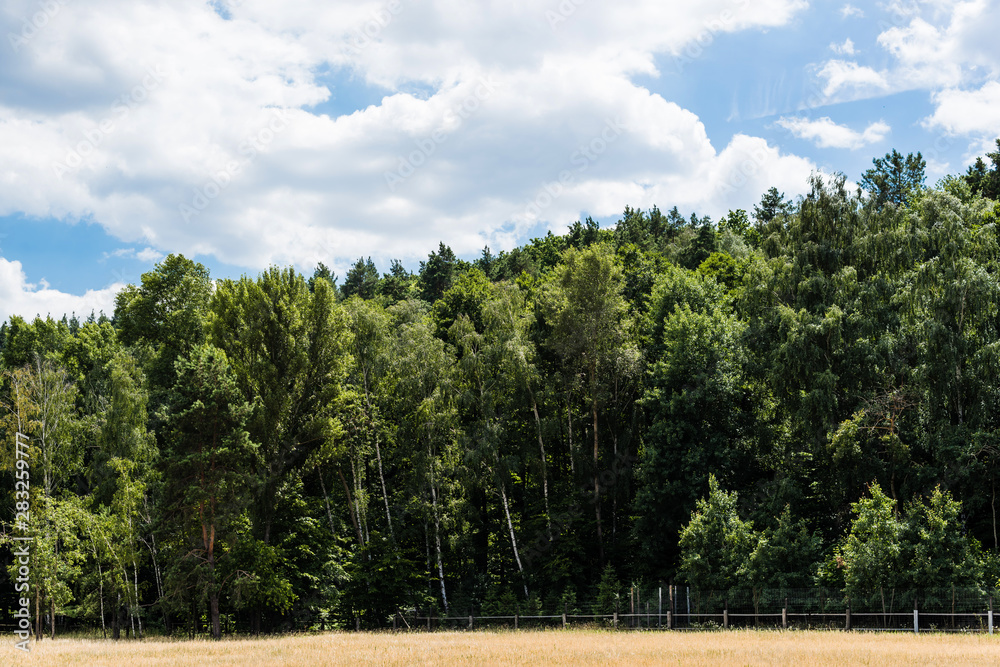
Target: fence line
{"type": "Point", "coordinates": [679, 608]}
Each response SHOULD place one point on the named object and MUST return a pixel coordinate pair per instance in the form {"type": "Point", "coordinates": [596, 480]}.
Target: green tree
{"type": "Point", "coordinates": [894, 178]}
{"type": "Point", "coordinates": [208, 471]}
{"type": "Point", "coordinates": [870, 554]}
{"type": "Point", "coordinates": [938, 552]}
{"type": "Point", "coordinates": [716, 543]}
{"type": "Point", "coordinates": [699, 416]}
{"type": "Point", "coordinates": [437, 273]}
{"type": "Point", "coordinates": [785, 556]}
{"type": "Point", "coordinates": [589, 319]}
{"type": "Point", "coordinates": [984, 181]}
{"type": "Point", "coordinates": [166, 312]}
{"type": "Point", "coordinates": [361, 280]}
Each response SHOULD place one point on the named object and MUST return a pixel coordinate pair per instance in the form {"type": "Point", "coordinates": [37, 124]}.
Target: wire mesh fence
{"type": "Point", "coordinates": [681, 608]}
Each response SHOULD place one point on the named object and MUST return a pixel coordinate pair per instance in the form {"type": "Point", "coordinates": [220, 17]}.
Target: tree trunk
{"type": "Point", "coordinates": [326, 500]}
{"type": "Point", "coordinates": [437, 533]}
{"type": "Point", "coordinates": [378, 457]}
{"type": "Point", "coordinates": [597, 463]}
{"type": "Point", "coordinates": [350, 507]}
{"type": "Point", "coordinates": [993, 505]}
{"type": "Point", "coordinates": [213, 602]}
{"type": "Point", "coordinates": [569, 425]}
{"type": "Point", "coordinates": [385, 494]}
{"type": "Point", "coordinates": [135, 581]}
{"type": "Point", "coordinates": [545, 478]}
{"type": "Point", "coordinates": [158, 576]}
{"type": "Point", "coordinates": [513, 538]}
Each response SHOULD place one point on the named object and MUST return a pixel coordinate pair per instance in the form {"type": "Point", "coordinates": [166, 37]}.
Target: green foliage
{"type": "Point", "coordinates": [983, 181]}
{"type": "Point", "coordinates": [609, 592]}
{"type": "Point", "coordinates": [894, 178]}
{"type": "Point", "coordinates": [937, 551]}
{"type": "Point", "coordinates": [437, 273]}
{"type": "Point", "coordinates": [361, 280]}
{"type": "Point", "coordinates": [715, 544]}
{"type": "Point", "coordinates": [785, 556]}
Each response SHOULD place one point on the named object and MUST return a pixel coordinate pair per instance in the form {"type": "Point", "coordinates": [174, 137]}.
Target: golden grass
{"type": "Point", "coordinates": [554, 647]}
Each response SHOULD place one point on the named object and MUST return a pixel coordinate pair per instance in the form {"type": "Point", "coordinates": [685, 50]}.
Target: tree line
{"type": "Point", "coordinates": [804, 394]}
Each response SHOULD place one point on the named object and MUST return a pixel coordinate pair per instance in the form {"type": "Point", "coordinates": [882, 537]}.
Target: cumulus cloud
{"type": "Point", "coordinates": [972, 112]}
{"type": "Point", "coordinates": [19, 297]}
{"type": "Point", "coordinates": [110, 112]}
{"type": "Point", "coordinates": [850, 11]}
{"type": "Point", "coordinates": [827, 134]}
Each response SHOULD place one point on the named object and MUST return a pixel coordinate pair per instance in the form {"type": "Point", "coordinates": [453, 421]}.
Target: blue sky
{"type": "Point", "coordinates": [246, 132]}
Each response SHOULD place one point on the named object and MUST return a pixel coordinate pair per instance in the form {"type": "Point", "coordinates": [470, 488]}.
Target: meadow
{"type": "Point", "coordinates": [553, 647]}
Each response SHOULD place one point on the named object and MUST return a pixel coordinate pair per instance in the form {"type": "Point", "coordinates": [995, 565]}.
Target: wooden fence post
{"type": "Point", "coordinates": [631, 606]}
{"type": "Point", "coordinates": [784, 615]}
{"type": "Point", "coordinates": [564, 615]}
{"type": "Point", "coordinates": [659, 610]}
{"type": "Point", "coordinates": [991, 615]}
{"type": "Point", "coordinates": [725, 615]}
{"type": "Point", "coordinates": [470, 619]}
{"type": "Point", "coordinates": [847, 622]}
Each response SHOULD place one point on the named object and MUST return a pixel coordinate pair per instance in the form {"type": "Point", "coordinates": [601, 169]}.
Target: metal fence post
{"type": "Point", "coordinates": [659, 610]}
{"type": "Point", "coordinates": [916, 617]}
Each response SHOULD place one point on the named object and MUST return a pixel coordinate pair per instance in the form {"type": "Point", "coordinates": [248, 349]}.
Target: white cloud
{"type": "Point", "coordinates": [847, 77]}
{"type": "Point", "coordinates": [850, 11]}
{"type": "Point", "coordinates": [975, 112]}
{"type": "Point", "coordinates": [149, 255]}
{"type": "Point", "coordinates": [845, 49]}
{"type": "Point", "coordinates": [933, 45]}
{"type": "Point", "coordinates": [827, 134]}
{"type": "Point", "coordinates": [19, 297]}
{"type": "Point", "coordinates": [111, 112]}
{"type": "Point", "coordinates": [145, 255]}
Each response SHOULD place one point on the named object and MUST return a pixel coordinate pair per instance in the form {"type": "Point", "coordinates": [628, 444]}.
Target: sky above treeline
{"type": "Point", "coordinates": [244, 133]}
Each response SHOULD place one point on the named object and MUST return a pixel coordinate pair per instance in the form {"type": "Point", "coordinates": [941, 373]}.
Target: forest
{"type": "Point", "coordinates": [805, 394]}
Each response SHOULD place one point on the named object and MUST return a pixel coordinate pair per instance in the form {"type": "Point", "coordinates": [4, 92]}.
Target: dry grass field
{"type": "Point", "coordinates": [574, 647]}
